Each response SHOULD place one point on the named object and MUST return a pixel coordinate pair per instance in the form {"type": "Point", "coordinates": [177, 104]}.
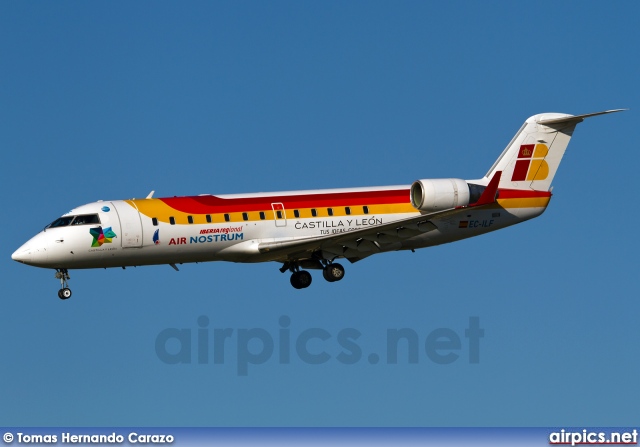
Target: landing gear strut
{"type": "Point", "coordinates": [65, 292]}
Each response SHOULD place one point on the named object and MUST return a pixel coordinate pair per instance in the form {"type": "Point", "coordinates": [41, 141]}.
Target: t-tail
{"type": "Point", "coordinates": [531, 159]}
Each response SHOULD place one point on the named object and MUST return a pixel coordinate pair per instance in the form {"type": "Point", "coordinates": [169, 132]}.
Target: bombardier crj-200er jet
{"type": "Point", "coordinates": [309, 229]}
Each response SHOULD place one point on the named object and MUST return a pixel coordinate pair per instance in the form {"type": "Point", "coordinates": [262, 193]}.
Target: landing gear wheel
{"type": "Point", "coordinates": [63, 275]}
{"type": "Point", "coordinates": [301, 279]}
{"type": "Point", "coordinates": [333, 272]}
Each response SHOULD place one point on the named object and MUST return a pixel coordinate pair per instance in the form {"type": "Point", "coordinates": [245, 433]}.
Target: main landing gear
{"type": "Point", "coordinates": [333, 272]}
{"type": "Point", "coordinates": [65, 292]}
{"type": "Point", "coordinates": [301, 279]}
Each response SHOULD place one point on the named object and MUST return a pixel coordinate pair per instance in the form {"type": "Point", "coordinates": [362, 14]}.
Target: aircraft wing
{"type": "Point", "coordinates": [356, 244]}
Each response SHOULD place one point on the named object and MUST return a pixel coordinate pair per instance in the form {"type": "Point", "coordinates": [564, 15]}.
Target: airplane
{"type": "Point", "coordinates": [307, 230]}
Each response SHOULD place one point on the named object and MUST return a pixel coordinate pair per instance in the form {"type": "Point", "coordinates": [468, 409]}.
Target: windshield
{"type": "Point", "coordinates": [60, 222]}
{"type": "Point", "coordinates": [84, 219]}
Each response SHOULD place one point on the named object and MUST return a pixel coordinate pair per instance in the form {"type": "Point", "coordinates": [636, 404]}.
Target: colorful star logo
{"type": "Point", "coordinates": [101, 236]}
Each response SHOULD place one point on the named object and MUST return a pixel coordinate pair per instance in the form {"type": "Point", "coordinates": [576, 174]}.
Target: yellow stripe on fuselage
{"type": "Point", "coordinates": [529, 202]}
{"type": "Point", "coordinates": [161, 211]}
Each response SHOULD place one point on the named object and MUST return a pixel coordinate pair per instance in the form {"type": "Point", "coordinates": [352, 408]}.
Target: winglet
{"type": "Point", "coordinates": [490, 192]}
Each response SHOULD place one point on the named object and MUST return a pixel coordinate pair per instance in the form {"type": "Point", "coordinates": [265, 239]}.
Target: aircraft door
{"type": "Point", "coordinates": [130, 224]}
{"type": "Point", "coordinates": [279, 214]}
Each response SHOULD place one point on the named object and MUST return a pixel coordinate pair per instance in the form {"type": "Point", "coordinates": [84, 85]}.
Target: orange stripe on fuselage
{"type": "Point", "coordinates": [533, 202]}
{"type": "Point", "coordinates": [523, 198]}
{"type": "Point", "coordinates": [213, 204]}
{"type": "Point", "coordinates": [377, 202]}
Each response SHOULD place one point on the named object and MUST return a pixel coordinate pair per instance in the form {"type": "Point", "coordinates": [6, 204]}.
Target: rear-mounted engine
{"type": "Point", "coordinates": [439, 194]}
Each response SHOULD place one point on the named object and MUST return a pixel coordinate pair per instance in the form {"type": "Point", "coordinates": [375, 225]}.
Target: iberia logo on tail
{"type": "Point", "coordinates": [530, 164]}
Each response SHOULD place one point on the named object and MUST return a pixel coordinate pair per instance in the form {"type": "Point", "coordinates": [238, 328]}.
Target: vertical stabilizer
{"type": "Point", "coordinates": [531, 159]}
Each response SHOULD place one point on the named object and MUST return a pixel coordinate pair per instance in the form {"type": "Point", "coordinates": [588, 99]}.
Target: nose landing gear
{"type": "Point", "coordinates": [65, 292]}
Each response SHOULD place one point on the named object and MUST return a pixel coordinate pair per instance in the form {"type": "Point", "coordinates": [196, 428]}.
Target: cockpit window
{"type": "Point", "coordinates": [86, 219]}
{"type": "Point", "coordinates": [61, 222]}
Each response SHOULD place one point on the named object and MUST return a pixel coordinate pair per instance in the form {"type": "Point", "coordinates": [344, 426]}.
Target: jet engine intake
{"type": "Point", "coordinates": [439, 194]}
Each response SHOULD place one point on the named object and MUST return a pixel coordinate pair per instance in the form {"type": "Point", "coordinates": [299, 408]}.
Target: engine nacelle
{"type": "Point", "coordinates": [439, 194]}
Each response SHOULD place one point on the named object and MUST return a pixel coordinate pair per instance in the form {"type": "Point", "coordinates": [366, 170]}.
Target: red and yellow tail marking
{"type": "Point", "coordinates": [531, 164]}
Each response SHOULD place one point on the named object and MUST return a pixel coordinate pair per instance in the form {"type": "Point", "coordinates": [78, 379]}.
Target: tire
{"type": "Point", "coordinates": [301, 279]}
{"type": "Point", "coordinates": [326, 275]}
{"type": "Point", "coordinates": [64, 294]}
{"type": "Point", "coordinates": [333, 272]}
{"type": "Point", "coordinates": [305, 278]}
{"type": "Point", "coordinates": [294, 281]}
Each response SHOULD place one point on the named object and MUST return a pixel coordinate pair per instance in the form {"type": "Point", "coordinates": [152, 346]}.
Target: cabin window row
{"type": "Point", "coordinates": [263, 216]}
{"type": "Point", "coordinates": [314, 212]}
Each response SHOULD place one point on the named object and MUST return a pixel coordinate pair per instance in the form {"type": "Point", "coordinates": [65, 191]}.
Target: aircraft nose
{"type": "Point", "coordinates": [22, 254]}
{"type": "Point", "coordinates": [34, 252]}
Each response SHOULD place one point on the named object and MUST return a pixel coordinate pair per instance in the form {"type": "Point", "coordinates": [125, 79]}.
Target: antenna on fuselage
{"type": "Point", "coordinates": [150, 195]}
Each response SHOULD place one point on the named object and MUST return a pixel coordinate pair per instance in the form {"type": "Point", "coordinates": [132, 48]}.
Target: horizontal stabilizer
{"type": "Point", "coordinates": [576, 118]}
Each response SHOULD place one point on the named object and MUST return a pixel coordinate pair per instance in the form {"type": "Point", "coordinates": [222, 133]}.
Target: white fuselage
{"type": "Point", "coordinates": [156, 231]}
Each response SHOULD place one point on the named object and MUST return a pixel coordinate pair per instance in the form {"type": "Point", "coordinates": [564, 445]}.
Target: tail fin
{"type": "Point", "coordinates": [531, 159]}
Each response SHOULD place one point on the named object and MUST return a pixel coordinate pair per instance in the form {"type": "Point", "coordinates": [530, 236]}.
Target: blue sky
{"type": "Point", "coordinates": [111, 101]}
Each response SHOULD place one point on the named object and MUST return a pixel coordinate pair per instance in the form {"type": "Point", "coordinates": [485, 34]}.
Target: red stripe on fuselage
{"type": "Point", "coordinates": [521, 193]}
{"type": "Point", "coordinates": [213, 204]}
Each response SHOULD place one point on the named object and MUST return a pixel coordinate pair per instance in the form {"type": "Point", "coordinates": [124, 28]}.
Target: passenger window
{"type": "Point", "coordinates": [330, 211]}
{"type": "Point", "coordinates": [154, 220]}
{"type": "Point", "coordinates": [296, 213]}
{"type": "Point", "coordinates": [172, 221]}
{"type": "Point", "coordinates": [314, 213]}
{"type": "Point", "coordinates": [279, 214]}
{"type": "Point", "coordinates": [262, 216]}
{"type": "Point", "coordinates": [226, 218]}
{"type": "Point", "coordinates": [365, 209]}
{"type": "Point", "coordinates": [245, 216]}
{"type": "Point", "coordinates": [190, 219]}
{"type": "Point", "coordinates": [347, 210]}
{"type": "Point", "coordinates": [209, 218]}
